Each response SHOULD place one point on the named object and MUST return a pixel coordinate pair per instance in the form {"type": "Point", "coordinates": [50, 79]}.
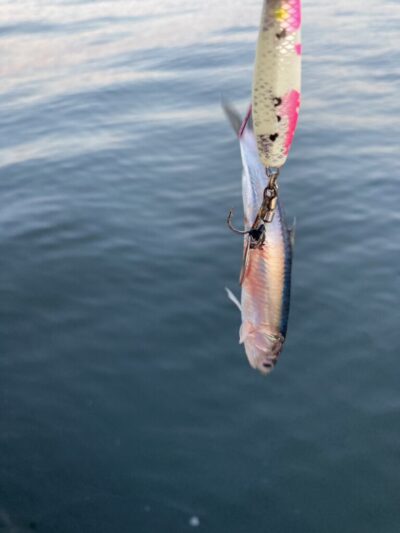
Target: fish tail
{"type": "Point", "coordinates": [238, 124]}
{"type": "Point", "coordinates": [233, 117]}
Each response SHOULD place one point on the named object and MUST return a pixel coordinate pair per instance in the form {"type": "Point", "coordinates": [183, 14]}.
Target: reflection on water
{"type": "Point", "coordinates": [126, 403]}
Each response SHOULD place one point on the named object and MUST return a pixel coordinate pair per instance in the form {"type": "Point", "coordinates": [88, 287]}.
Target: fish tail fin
{"type": "Point", "coordinates": [247, 121]}
{"type": "Point", "coordinates": [238, 124]}
{"type": "Point", "coordinates": [233, 116]}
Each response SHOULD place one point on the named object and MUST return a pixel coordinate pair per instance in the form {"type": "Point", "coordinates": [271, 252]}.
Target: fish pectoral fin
{"type": "Point", "coordinates": [245, 330]}
{"type": "Point", "coordinates": [233, 299]}
{"type": "Point", "coordinates": [292, 232]}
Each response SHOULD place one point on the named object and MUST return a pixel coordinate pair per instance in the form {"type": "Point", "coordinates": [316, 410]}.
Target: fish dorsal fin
{"type": "Point", "coordinates": [245, 330]}
{"type": "Point", "coordinates": [233, 299]}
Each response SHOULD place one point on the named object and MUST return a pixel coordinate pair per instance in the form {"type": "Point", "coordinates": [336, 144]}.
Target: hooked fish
{"type": "Point", "coordinates": [266, 271]}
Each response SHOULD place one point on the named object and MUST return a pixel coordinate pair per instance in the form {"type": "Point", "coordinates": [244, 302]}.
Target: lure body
{"type": "Point", "coordinates": [266, 277]}
{"type": "Point", "coordinates": [276, 80]}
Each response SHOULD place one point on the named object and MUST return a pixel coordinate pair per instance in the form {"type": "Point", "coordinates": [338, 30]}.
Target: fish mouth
{"type": "Point", "coordinates": [264, 358]}
{"type": "Point", "coordinates": [268, 364]}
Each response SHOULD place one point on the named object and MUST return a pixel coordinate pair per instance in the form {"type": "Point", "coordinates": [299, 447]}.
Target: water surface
{"type": "Point", "coordinates": [126, 403]}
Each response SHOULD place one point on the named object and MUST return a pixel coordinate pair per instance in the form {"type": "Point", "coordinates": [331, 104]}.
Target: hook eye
{"type": "Point", "coordinates": [257, 233]}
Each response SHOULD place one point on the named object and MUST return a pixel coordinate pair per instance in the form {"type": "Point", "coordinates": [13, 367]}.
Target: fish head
{"type": "Point", "coordinates": [263, 348]}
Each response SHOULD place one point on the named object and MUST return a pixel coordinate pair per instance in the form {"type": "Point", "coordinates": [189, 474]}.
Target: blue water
{"type": "Point", "coordinates": [126, 403]}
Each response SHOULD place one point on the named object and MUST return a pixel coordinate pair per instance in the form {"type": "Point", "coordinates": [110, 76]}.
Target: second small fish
{"type": "Point", "coordinates": [266, 271]}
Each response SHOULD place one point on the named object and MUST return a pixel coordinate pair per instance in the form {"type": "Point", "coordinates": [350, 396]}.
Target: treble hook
{"type": "Point", "coordinates": [232, 227]}
{"type": "Point", "coordinates": [257, 233]}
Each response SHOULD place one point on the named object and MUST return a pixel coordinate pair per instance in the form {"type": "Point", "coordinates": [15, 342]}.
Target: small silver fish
{"type": "Point", "coordinates": [266, 272]}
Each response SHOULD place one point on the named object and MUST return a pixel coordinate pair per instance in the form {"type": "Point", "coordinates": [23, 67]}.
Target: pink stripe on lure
{"type": "Point", "coordinates": [291, 10]}
{"type": "Point", "coordinates": [290, 110]}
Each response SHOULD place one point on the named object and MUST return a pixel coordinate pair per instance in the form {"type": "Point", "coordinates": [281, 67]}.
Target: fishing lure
{"type": "Point", "coordinates": [276, 80]}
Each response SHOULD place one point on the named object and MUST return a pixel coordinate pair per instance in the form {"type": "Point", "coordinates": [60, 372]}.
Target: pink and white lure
{"type": "Point", "coordinates": [276, 81]}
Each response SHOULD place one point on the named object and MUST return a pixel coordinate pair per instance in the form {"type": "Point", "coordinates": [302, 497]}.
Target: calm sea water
{"type": "Point", "coordinates": [126, 403]}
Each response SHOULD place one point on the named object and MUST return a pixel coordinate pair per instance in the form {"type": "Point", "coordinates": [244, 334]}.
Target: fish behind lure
{"type": "Point", "coordinates": [266, 271]}
{"type": "Point", "coordinates": [267, 262]}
